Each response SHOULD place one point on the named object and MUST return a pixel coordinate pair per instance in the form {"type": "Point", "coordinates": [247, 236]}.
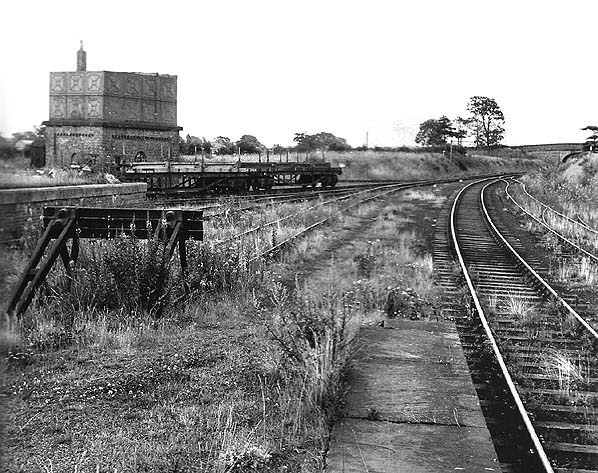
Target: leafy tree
{"type": "Point", "coordinates": [40, 131]}
{"type": "Point", "coordinates": [223, 145]}
{"type": "Point", "coordinates": [24, 135]}
{"type": "Point", "coordinates": [278, 149]}
{"type": "Point", "coordinates": [193, 144]}
{"type": "Point", "coordinates": [487, 121]}
{"type": "Point", "coordinates": [206, 146]}
{"type": "Point", "coordinates": [327, 141]}
{"type": "Point", "coordinates": [187, 146]}
{"type": "Point", "coordinates": [250, 144]}
{"type": "Point", "coordinates": [434, 132]}
{"type": "Point", "coordinates": [7, 149]}
{"type": "Point", "coordinates": [323, 141]}
{"type": "Point", "coordinates": [591, 143]}
{"type": "Point", "coordinates": [461, 126]}
{"type": "Point", "coordinates": [305, 142]}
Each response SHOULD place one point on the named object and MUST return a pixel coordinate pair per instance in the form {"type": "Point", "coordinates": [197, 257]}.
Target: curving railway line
{"type": "Point", "coordinates": [579, 236]}
{"type": "Point", "coordinates": [535, 346]}
{"type": "Point", "coordinates": [579, 221]}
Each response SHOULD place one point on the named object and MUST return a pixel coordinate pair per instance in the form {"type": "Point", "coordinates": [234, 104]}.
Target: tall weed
{"type": "Point", "coordinates": [316, 332]}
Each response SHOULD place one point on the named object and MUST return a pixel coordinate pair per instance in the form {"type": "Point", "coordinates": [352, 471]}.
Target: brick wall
{"type": "Point", "coordinates": [97, 146]}
{"type": "Point", "coordinates": [156, 145]}
{"type": "Point", "coordinates": [66, 145]}
{"type": "Point", "coordinates": [21, 209]}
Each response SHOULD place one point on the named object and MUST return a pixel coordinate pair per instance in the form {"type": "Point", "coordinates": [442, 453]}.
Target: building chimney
{"type": "Point", "coordinates": [81, 59]}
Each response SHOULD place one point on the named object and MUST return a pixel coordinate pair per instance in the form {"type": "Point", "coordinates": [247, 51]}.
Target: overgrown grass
{"type": "Point", "coordinates": [266, 404]}
{"type": "Point", "coordinates": [246, 375]}
{"type": "Point", "coordinates": [571, 189]}
{"type": "Point", "coordinates": [418, 166]}
{"type": "Point", "coordinates": [384, 165]}
{"type": "Point", "coordinates": [15, 173]}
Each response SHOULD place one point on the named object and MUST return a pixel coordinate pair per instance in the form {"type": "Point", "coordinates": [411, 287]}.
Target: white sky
{"type": "Point", "coordinates": [273, 68]}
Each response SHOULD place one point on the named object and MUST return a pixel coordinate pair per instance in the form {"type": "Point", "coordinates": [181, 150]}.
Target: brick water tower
{"type": "Point", "coordinates": [104, 118]}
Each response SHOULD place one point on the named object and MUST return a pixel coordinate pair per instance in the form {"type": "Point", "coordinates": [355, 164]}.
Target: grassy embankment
{"type": "Point", "coordinates": [405, 165]}
{"type": "Point", "coordinates": [571, 189]}
{"type": "Point", "coordinates": [14, 173]}
{"type": "Point", "coordinates": [374, 165]}
{"type": "Point", "coordinates": [110, 371]}
{"type": "Point", "coordinates": [417, 166]}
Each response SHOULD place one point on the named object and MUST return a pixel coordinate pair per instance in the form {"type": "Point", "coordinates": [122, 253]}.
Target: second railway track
{"type": "Point", "coordinates": [548, 353]}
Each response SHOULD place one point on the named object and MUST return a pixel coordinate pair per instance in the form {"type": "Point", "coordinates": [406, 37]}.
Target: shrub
{"type": "Point", "coordinates": [122, 273]}
{"type": "Point", "coordinates": [316, 334]}
{"type": "Point", "coordinates": [215, 268]}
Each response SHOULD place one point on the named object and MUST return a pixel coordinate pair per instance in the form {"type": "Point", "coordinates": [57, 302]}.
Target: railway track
{"type": "Point", "coordinates": [218, 206]}
{"type": "Point", "coordinates": [579, 221]}
{"type": "Point", "coordinates": [579, 236]}
{"type": "Point", "coordinates": [323, 203]}
{"type": "Point", "coordinates": [363, 193]}
{"type": "Point", "coordinates": [241, 205]}
{"type": "Point", "coordinates": [279, 192]}
{"type": "Point", "coordinates": [538, 367]}
{"type": "Point", "coordinates": [359, 197]}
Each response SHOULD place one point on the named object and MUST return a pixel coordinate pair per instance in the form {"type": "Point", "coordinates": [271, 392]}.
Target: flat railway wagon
{"type": "Point", "coordinates": [238, 177]}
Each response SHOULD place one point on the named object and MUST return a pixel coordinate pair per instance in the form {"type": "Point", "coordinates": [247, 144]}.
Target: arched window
{"type": "Point", "coordinates": [140, 157]}
{"type": "Point", "coordinates": [74, 158]}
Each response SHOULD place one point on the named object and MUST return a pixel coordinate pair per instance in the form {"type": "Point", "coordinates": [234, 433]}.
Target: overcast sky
{"type": "Point", "coordinates": [273, 68]}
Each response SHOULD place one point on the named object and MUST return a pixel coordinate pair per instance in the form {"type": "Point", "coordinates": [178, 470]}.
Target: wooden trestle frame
{"type": "Point", "coordinates": [62, 224]}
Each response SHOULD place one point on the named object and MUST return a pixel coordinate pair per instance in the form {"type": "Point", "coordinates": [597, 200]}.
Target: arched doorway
{"type": "Point", "coordinates": [140, 157]}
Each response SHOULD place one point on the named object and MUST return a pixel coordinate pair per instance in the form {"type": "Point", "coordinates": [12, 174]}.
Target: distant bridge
{"type": "Point", "coordinates": [552, 150]}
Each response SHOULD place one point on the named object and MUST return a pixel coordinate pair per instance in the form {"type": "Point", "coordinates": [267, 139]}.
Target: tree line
{"type": "Point", "coordinates": [485, 125]}
{"type": "Point", "coordinates": [249, 144]}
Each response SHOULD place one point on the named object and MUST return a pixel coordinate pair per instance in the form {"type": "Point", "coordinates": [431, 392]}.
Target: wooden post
{"type": "Point", "coordinates": [72, 223]}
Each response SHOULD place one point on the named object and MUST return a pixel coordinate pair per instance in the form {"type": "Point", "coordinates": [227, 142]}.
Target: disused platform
{"type": "Point", "coordinates": [411, 405]}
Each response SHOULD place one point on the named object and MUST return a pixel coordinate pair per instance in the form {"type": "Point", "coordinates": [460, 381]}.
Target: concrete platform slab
{"type": "Point", "coordinates": [376, 447]}
{"type": "Point", "coordinates": [411, 405]}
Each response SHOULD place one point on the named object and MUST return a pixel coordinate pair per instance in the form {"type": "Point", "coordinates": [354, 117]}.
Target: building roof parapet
{"type": "Point", "coordinates": [111, 124]}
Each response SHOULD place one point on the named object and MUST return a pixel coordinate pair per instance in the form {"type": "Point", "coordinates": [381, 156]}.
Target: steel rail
{"type": "Point", "coordinates": [387, 183]}
{"type": "Point", "coordinates": [511, 385]}
{"type": "Point", "coordinates": [581, 224]}
{"type": "Point", "coordinates": [282, 193]}
{"type": "Point", "coordinates": [214, 203]}
{"type": "Point", "coordinates": [534, 273]}
{"type": "Point", "coordinates": [321, 222]}
{"type": "Point", "coordinates": [284, 201]}
{"type": "Point", "coordinates": [287, 191]}
{"type": "Point", "coordinates": [585, 225]}
{"type": "Point", "coordinates": [282, 219]}
{"type": "Point", "coordinates": [547, 226]}
{"type": "Point", "coordinates": [311, 227]}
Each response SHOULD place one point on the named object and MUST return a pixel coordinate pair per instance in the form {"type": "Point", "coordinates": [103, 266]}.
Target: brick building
{"type": "Point", "coordinates": [101, 118]}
